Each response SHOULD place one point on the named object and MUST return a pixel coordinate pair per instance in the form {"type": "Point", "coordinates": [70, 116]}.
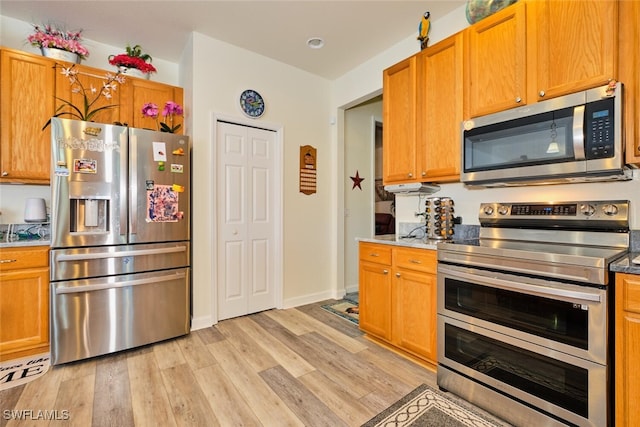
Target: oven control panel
{"type": "Point", "coordinates": [608, 210]}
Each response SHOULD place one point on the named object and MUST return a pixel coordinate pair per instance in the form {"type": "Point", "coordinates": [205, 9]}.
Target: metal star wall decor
{"type": "Point", "coordinates": [356, 181]}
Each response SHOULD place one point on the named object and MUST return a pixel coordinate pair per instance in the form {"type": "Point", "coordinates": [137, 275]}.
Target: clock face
{"type": "Point", "coordinates": [252, 103]}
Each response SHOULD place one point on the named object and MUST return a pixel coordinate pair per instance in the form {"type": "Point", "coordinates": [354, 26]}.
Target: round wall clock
{"type": "Point", "coordinates": [252, 103]}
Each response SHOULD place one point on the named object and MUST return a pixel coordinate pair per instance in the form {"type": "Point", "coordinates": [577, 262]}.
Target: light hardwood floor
{"type": "Point", "coordinates": [294, 367]}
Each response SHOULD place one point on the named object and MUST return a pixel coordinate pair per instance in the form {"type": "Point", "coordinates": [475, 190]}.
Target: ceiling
{"type": "Point", "coordinates": [353, 31]}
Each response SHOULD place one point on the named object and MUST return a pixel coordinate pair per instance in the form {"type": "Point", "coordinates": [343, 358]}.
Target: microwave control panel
{"type": "Point", "coordinates": [599, 129]}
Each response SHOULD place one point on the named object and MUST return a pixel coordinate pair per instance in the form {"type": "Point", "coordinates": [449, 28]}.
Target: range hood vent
{"type": "Point", "coordinates": [417, 187]}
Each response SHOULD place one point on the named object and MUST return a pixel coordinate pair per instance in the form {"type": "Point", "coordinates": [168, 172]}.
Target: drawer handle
{"type": "Point", "coordinates": [415, 261]}
{"type": "Point", "coordinates": [374, 255]}
{"type": "Point", "coordinates": [7, 261]}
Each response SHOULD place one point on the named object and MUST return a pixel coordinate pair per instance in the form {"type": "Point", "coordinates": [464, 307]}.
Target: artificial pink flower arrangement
{"type": "Point", "coordinates": [47, 36]}
{"type": "Point", "coordinates": [134, 58]}
{"type": "Point", "coordinates": [170, 110]}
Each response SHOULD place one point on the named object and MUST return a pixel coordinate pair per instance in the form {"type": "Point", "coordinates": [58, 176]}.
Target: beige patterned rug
{"type": "Point", "coordinates": [345, 308]}
{"type": "Point", "coordinates": [427, 407]}
{"type": "Point", "coordinates": [20, 371]}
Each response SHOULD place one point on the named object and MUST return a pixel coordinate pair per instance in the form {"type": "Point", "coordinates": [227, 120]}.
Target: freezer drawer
{"type": "Point", "coordinates": [81, 263]}
{"type": "Point", "coordinates": [97, 316]}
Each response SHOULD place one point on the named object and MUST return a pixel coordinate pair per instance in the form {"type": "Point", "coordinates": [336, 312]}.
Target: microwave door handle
{"type": "Point", "coordinates": [578, 132]}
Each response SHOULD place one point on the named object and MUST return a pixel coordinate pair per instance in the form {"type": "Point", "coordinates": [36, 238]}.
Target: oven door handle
{"type": "Point", "coordinates": [573, 296]}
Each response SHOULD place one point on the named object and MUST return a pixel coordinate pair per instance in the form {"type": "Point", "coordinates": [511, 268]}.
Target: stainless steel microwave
{"type": "Point", "coordinates": [573, 138]}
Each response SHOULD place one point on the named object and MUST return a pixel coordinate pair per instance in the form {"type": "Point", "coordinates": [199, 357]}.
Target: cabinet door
{"type": "Point", "coordinates": [414, 320]}
{"type": "Point", "coordinates": [496, 62]}
{"type": "Point", "coordinates": [24, 312]}
{"type": "Point", "coordinates": [627, 351]}
{"type": "Point", "coordinates": [138, 92]}
{"type": "Point", "coordinates": [576, 44]}
{"type": "Point", "coordinates": [399, 118]}
{"type": "Point", "coordinates": [26, 104]}
{"type": "Point", "coordinates": [375, 299]}
{"type": "Point", "coordinates": [440, 108]}
{"type": "Point", "coordinates": [629, 71]}
{"type": "Point", "coordinates": [90, 82]}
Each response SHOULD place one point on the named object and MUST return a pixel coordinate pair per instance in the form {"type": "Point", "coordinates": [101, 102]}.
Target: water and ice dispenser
{"type": "Point", "coordinates": [89, 215]}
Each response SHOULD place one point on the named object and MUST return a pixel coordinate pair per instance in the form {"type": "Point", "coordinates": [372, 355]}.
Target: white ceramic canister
{"type": "Point", "coordinates": [35, 210]}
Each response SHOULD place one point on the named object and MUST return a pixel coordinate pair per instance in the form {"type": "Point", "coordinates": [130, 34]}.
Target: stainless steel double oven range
{"type": "Point", "coordinates": [525, 318]}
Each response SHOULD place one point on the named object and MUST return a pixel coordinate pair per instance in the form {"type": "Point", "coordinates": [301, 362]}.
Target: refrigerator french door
{"type": "Point", "coordinates": [120, 237]}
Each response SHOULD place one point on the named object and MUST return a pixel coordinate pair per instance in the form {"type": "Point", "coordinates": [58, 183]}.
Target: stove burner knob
{"type": "Point", "coordinates": [503, 210]}
{"type": "Point", "coordinates": [610, 209]}
{"type": "Point", "coordinates": [587, 210]}
{"type": "Point", "coordinates": [488, 210]}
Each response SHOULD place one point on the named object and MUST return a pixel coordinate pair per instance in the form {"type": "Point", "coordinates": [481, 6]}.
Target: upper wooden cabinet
{"type": "Point", "coordinates": [537, 50]}
{"type": "Point", "coordinates": [422, 112]}
{"type": "Point", "coordinates": [574, 44]}
{"type": "Point", "coordinates": [137, 92]}
{"type": "Point", "coordinates": [439, 110]}
{"type": "Point", "coordinates": [399, 101]}
{"type": "Point", "coordinates": [629, 66]}
{"type": "Point", "coordinates": [27, 85]}
{"type": "Point", "coordinates": [91, 80]}
{"type": "Point", "coordinates": [495, 68]}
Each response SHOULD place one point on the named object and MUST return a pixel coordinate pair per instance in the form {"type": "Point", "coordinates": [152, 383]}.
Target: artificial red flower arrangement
{"type": "Point", "coordinates": [134, 58]}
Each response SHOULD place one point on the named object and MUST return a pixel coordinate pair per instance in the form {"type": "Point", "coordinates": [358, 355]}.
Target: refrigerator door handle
{"type": "Point", "coordinates": [103, 255]}
{"type": "Point", "coordinates": [103, 286]}
{"type": "Point", "coordinates": [133, 183]}
{"type": "Point", "coordinates": [123, 190]}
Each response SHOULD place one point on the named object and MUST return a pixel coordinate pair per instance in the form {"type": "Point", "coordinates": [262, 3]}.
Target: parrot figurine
{"type": "Point", "coordinates": [423, 30]}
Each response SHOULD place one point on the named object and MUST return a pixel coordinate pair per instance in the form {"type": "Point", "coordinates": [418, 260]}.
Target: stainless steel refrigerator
{"type": "Point", "coordinates": [120, 238]}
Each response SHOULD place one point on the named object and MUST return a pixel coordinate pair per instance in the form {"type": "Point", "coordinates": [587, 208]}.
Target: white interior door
{"type": "Point", "coordinates": [246, 219]}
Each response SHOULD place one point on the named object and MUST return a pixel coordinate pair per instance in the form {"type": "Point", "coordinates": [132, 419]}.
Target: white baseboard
{"type": "Point", "coordinates": [352, 288]}
{"type": "Point", "coordinates": [311, 298]}
{"type": "Point", "coordinates": [202, 322]}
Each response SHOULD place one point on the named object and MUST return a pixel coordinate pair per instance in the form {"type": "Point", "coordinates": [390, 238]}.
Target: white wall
{"type": "Point", "coordinates": [13, 34]}
{"type": "Point", "coordinates": [297, 101]}
{"type": "Point", "coordinates": [359, 156]}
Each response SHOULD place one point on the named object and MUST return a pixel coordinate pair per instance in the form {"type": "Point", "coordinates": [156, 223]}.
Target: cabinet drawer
{"type": "Point", "coordinates": [18, 258]}
{"type": "Point", "coordinates": [372, 252]}
{"type": "Point", "coordinates": [415, 259]}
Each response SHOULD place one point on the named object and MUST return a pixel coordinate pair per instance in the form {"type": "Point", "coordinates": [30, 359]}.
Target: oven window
{"type": "Point", "coordinates": [560, 321]}
{"type": "Point", "coordinates": [557, 382]}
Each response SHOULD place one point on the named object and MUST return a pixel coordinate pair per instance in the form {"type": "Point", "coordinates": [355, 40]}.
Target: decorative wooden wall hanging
{"type": "Point", "coordinates": [308, 170]}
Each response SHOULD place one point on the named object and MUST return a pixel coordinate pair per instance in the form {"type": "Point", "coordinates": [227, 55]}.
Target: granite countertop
{"type": "Point", "coordinates": [23, 243]}
{"type": "Point", "coordinates": [411, 242]}
{"type": "Point", "coordinates": [625, 264]}
{"type": "Point", "coordinates": [21, 235]}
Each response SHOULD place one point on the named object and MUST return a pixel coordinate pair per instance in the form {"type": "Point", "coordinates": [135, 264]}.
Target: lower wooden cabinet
{"type": "Point", "coordinates": [398, 297]}
{"type": "Point", "coordinates": [24, 301]}
{"type": "Point", "coordinates": [627, 349]}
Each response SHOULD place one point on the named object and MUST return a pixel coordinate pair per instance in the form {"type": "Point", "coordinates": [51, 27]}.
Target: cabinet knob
{"type": "Point", "coordinates": [385, 271]}
{"type": "Point", "coordinates": [518, 100]}
{"type": "Point", "coordinates": [4, 173]}
{"type": "Point", "coordinates": [541, 93]}
{"type": "Point", "coordinates": [424, 173]}
{"type": "Point", "coordinates": [410, 175]}
{"type": "Point", "coordinates": [397, 274]}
